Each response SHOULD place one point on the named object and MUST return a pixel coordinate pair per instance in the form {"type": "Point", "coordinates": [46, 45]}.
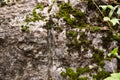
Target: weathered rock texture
{"type": "Point", "coordinates": [25, 56]}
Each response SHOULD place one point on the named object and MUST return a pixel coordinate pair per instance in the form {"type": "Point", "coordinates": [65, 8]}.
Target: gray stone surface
{"type": "Point", "coordinates": [25, 56]}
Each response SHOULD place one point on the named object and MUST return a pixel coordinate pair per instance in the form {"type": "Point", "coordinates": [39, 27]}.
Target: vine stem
{"type": "Point", "coordinates": [50, 54]}
{"type": "Point", "coordinates": [108, 25]}
{"type": "Point", "coordinates": [102, 15]}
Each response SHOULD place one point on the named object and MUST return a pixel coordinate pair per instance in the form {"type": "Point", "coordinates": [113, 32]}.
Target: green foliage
{"type": "Point", "coordinates": [25, 28]}
{"type": "Point", "coordinates": [116, 37]}
{"type": "Point", "coordinates": [40, 6]}
{"type": "Point", "coordinates": [75, 75]}
{"type": "Point", "coordinates": [114, 76]}
{"type": "Point", "coordinates": [114, 52]}
{"type": "Point", "coordinates": [98, 57]}
{"type": "Point", "coordinates": [28, 19]}
{"type": "Point", "coordinates": [110, 18]}
{"type": "Point", "coordinates": [82, 70]}
{"type": "Point", "coordinates": [33, 17]}
{"type": "Point", "coordinates": [101, 75]}
{"type": "Point", "coordinates": [71, 15]}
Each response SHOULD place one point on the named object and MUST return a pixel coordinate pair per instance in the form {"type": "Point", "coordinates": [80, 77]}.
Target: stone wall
{"type": "Point", "coordinates": [26, 55]}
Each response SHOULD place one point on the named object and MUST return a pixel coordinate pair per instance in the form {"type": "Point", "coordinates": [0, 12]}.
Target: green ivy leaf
{"type": "Point", "coordinates": [114, 21]}
{"type": "Point", "coordinates": [110, 78]}
{"type": "Point", "coordinates": [113, 52]}
{"type": "Point", "coordinates": [118, 12]}
{"type": "Point", "coordinates": [114, 76]}
{"type": "Point", "coordinates": [104, 7]}
{"type": "Point", "coordinates": [111, 13]}
{"type": "Point", "coordinates": [118, 56]}
{"type": "Point", "coordinates": [110, 7]}
{"type": "Point", "coordinates": [106, 19]}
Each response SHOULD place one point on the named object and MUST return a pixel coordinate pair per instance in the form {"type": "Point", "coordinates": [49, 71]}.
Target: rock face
{"type": "Point", "coordinates": [25, 55]}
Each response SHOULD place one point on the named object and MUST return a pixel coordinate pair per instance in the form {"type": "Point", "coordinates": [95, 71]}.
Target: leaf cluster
{"type": "Point", "coordinates": [114, 52]}
{"type": "Point", "coordinates": [110, 18]}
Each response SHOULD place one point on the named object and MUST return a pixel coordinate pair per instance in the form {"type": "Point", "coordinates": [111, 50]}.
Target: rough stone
{"type": "Point", "coordinates": [111, 66]}
{"type": "Point", "coordinates": [25, 56]}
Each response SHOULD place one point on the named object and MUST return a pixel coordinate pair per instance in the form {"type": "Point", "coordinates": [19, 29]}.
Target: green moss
{"type": "Point", "coordinates": [102, 63]}
{"type": "Point", "coordinates": [91, 5]}
{"type": "Point", "coordinates": [94, 28]}
{"type": "Point", "coordinates": [107, 40]}
{"type": "Point", "coordinates": [58, 29]}
{"type": "Point", "coordinates": [75, 75]}
{"type": "Point", "coordinates": [88, 42]}
{"type": "Point", "coordinates": [82, 70]}
{"type": "Point", "coordinates": [95, 68]}
{"type": "Point", "coordinates": [40, 6]}
{"type": "Point", "coordinates": [83, 78]}
{"type": "Point", "coordinates": [63, 74]}
{"type": "Point", "coordinates": [98, 57]}
{"type": "Point", "coordinates": [101, 75]}
{"type": "Point", "coordinates": [75, 43]}
{"type": "Point", "coordinates": [85, 49]}
{"type": "Point", "coordinates": [98, 51]}
{"type": "Point", "coordinates": [66, 10]}
{"type": "Point", "coordinates": [71, 33]}
{"type": "Point", "coordinates": [28, 19]}
{"type": "Point", "coordinates": [108, 58]}
{"type": "Point", "coordinates": [82, 34]}
{"type": "Point", "coordinates": [25, 28]}
{"type": "Point", "coordinates": [116, 37]}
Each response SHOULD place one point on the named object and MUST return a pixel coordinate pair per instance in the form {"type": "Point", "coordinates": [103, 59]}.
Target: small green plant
{"type": "Point", "coordinates": [71, 15]}
{"type": "Point", "coordinates": [114, 52]}
{"type": "Point", "coordinates": [75, 75]}
{"type": "Point", "coordinates": [110, 18]}
{"type": "Point", "coordinates": [25, 28]}
{"type": "Point", "coordinates": [33, 17]}
{"type": "Point", "coordinates": [114, 76]}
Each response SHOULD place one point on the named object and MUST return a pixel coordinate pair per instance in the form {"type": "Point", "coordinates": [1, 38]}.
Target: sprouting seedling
{"type": "Point", "coordinates": [110, 18]}
{"type": "Point", "coordinates": [114, 52]}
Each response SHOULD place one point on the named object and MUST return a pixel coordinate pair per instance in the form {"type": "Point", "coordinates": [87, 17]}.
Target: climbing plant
{"type": "Point", "coordinates": [73, 18]}
{"type": "Point", "coordinates": [110, 17]}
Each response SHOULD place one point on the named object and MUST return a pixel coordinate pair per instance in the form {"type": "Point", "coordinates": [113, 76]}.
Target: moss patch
{"type": "Point", "coordinates": [98, 57]}
{"type": "Point", "coordinates": [101, 75]}
{"type": "Point", "coordinates": [75, 75]}
{"type": "Point", "coordinates": [71, 15]}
